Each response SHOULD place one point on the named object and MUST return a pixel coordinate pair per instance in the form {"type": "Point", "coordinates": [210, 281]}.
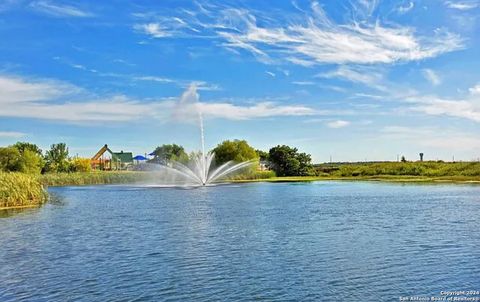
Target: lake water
{"type": "Point", "coordinates": [321, 241]}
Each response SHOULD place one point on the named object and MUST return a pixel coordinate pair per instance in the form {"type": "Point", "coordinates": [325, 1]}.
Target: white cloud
{"type": "Point", "coordinates": [52, 100]}
{"type": "Point", "coordinates": [259, 110]}
{"type": "Point", "coordinates": [310, 38]}
{"type": "Point", "coordinates": [466, 108]}
{"type": "Point", "coordinates": [56, 10]}
{"type": "Point", "coordinates": [364, 75]}
{"type": "Point", "coordinates": [11, 134]}
{"type": "Point", "coordinates": [475, 90]}
{"type": "Point", "coordinates": [153, 79]}
{"type": "Point", "coordinates": [270, 73]}
{"type": "Point", "coordinates": [431, 76]}
{"type": "Point", "coordinates": [405, 9]}
{"type": "Point", "coordinates": [462, 5]}
{"type": "Point", "coordinates": [338, 124]}
{"type": "Point", "coordinates": [153, 29]}
{"type": "Point", "coordinates": [17, 90]}
{"type": "Point", "coordinates": [303, 83]}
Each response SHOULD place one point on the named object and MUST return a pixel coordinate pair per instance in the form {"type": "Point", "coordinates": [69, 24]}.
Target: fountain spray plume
{"type": "Point", "coordinates": [199, 170]}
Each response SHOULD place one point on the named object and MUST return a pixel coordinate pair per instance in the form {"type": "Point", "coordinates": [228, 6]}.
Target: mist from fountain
{"type": "Point", "coordinates": [200, 170]}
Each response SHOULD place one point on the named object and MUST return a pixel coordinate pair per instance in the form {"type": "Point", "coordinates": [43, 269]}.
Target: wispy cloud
{"type": "Point", "coordinates": [11, 134]}
{"type": "Point", "coordinates": [403, 9]}
{"type": "Point", "coordinates": [303, 83]}
{"type": "Point", "coordinates": [44, 99]}
{"type": "Point", "coordinates": [312, 38]}
{"type": "Point", "coordinates": [57, 10]}
{"type": "Point", "coordinates": [365, 75]}
{"type": "Point", "coordinates": [338, 124]}
{"type": "Point", "coordinates": [153, 29]}
{"type": "Point", "coordinates": [270, 73]}
{"type": "Point", "coordinates": [466, 108]}
{"type": "Point", "coordinates": [431, 76]}
{"type": "Point", "coordinates": [462, 5]}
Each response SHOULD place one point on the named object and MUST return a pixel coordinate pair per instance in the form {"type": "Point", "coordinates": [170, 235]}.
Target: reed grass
{"type": "Point", "coordinates": [91, 178]}
{"type": "Point", "coordinates": [20, 190]}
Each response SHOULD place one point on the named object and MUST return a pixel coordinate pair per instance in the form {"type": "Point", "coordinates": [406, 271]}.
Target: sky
{"type": "Point", "coordinates": [356, 80]}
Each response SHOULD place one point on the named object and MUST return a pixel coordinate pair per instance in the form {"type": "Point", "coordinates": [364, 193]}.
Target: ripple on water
{"type": "Point", "coordinates": [318, 241]}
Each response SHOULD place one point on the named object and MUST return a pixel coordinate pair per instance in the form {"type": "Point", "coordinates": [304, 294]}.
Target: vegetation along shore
{"type": "Point", "coordinates": [26, 171]}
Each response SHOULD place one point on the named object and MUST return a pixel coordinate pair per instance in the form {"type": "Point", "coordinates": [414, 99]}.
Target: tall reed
{"type": "Point", "coordinates": [20, 190]}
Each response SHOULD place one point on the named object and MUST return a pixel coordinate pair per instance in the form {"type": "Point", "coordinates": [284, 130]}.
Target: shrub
{"type": "Point", "coordinates": [79, 164]}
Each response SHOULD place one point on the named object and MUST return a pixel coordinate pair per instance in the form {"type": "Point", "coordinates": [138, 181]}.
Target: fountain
{"type": "Point", "coordinates": [200, 170]}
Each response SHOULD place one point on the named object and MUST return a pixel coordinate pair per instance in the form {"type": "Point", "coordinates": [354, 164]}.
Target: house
{"type": "Point", "coordinates": [105, 159]}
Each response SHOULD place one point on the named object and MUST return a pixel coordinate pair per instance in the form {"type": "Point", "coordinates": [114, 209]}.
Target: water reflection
{"type": "Point", "coordinates": [6, 213]}
{"type": "Point", "coordinates": [54, 199]}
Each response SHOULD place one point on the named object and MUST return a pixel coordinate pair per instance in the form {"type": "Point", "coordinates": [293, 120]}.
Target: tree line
{"type": "Point", "coordinates": [282, 159]}
{"type": "Point", "coordinates": [29, 158]}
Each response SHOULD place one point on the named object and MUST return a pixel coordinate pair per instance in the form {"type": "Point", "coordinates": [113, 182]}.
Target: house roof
{"type": "Point", "coordinates": [124, 157]}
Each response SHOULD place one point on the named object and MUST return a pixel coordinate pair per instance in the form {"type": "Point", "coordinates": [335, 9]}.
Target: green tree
{"type": "Point", "coordinates": [57, 158]}
{"type": "Point", "coordinates": [22, 146]}
{"type": "Point", "coordinates": [14, 160]}
{"type": "Point", "coordinates": [286, 161]}
{"type": "Point", "coordinates": [236, 150]}
{"type": "Point", "coordinates": [262, 155]}
{"type": "Point", "coordinates": [10, 159]}
{"type": "Point", "coordinates": [169, 152]}
{"type": "Point", "coordinates": [31, 162]}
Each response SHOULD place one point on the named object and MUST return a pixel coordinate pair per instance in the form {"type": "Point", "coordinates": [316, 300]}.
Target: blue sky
{"type": "Point", "coordinates": [355, 80]}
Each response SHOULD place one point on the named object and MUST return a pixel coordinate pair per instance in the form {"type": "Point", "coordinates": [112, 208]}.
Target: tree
{"type": "Point", "coordinates": [22, 146]}
{"type": "Point", "coordinates": [262, 155]}
{"type": "Point", "coordinates": [31, 162]}
{"type": "Point", "coordinates": [57, 158]}
{"type": "Point", "coordinates": [169, 152]}
{"type": "Point", "coordinates": [10, 159]}
{"type": "Point", "coordinates": [403, 160]}
{"type": "Point", "coordinates": [286, 161]}
{"type": "Point", "coordinates": [236, 150]}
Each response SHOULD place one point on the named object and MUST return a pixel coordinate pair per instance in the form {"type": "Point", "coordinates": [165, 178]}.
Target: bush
{"type": "Point", "coordinates": [79, 164]}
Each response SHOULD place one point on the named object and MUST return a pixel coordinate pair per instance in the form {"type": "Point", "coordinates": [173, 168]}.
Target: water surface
{"type": "Point", "coordinates": [327, 241]}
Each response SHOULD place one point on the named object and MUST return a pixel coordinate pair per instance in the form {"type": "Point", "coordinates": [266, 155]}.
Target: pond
{"type": "Point", "coordinates": [328, 241]}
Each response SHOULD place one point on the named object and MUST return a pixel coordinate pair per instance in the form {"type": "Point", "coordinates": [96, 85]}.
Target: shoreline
{"type": "Point", "coordinates": [385, 178]}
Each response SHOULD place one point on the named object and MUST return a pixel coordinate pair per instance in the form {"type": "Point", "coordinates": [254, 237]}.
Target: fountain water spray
{"type": "Point", "coordinates": [199, 170]}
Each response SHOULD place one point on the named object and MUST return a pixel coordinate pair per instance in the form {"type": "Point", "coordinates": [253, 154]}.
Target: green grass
{"type": "Point", "coordinates": [390, 171]}
{"type": "Point", "coordinates": [424, 169]}
{"type": "Point", "coordinates": [91, 178]}
{"type": "Point", "coordinates": [20, 190]}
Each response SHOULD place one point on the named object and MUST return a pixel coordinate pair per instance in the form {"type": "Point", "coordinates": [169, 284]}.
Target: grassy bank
{"type": "Point", "coordinates": [419, 169]}
{"type": "Point", "coordinates": [19, 190]}
{"type": "Point", "coordinates": [385, 178]}
{"type": "Point", "coordinates": [389, 171]}
{"type": "Point", "coordinates": [90, 178]}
